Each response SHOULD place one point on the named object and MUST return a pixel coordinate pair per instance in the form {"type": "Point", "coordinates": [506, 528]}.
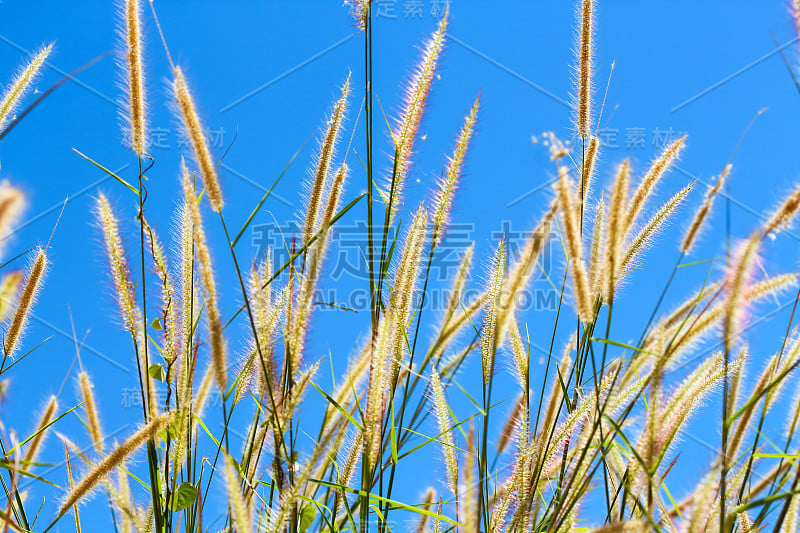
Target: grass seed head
{"type": "Point", "coordinates": [196, 135]}
{"type": "Point", "coordinates": [135, 112]}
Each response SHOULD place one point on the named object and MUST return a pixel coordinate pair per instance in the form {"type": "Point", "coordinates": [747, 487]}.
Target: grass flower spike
{"type": "Point", "coordinates": [135, 112]}
{"type": "Point", "coordinates": [23, 80]}
{"type": "Point", "coordinates": [26, 300]}
{"type": "Point", "coordinates": [196, 134]}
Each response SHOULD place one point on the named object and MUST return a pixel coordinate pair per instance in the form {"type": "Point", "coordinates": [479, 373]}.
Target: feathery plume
{"type": "Point", "coordinates": [26, 299]}
{"type": "Point", "coordinates": [90, 406]}
{"type": "Point", "coordinates": [136, 116]}
{"type": "Point", "coordinates": [23, 79]}
{"type": "Point", "coordinates": [738, 279]}
{"type": "Point", "coordinates": [615, 228]}
{"type": "Point", "coordinates": [702, 213]}
{"type": "Point", "coordinates": [457, 288]}
{"type": "Point", "coordinates": [596, 263]}
{"type": "Point", "coordinates": [71, 486]}
{"type": "Point", "coordinates": [585, 60]}
{"type": "Point", "coordinates": [35, 444]}
{"type": "Point", "coordinates": [570, 214]}
{"type": "Point", "coordinates": [658, 168]}
{"type": "Point", "coordinates": [404, 287]}
{"type": "Point", "coordinates": [445, 436]}
{"type": "Point", "coordinates": [513, 420]}
{"type": "Point", "coordinates": [782, 216]}
{"type": "Point", "coordinates": [641, 240]}
{"type": "Point", "coordinates": [240, 513]}
{"type": "Point", "coordinates": [9, 287]}
{"type": "Point", "coordinates": [348, 469]}
{"type": "Point", "coordinates": [489, 333]}
{"type": "Point", "coordinates": [188, 307]}
{"type": "Point", "coordinates": [310, 276]}
{"type": "Point", "coordinates": [195, 133]}
{"type": "Point", "coordinates": [449, 183]}
{"type": "Point", "coordinates": [169, 311]}
{"type": "Point", "coordinates": [359, 9]}
{"type": "Point", "coordinates": [430, 495]}
{"type": "Point", "coordinates": [12, 202]}
{"type": "Point", "coordinates": [119, 266]}
{"type": "Point", "coordinates": [521, 271]}
{"type": "Point", "coordinates": [327, 150]}
{"type": "Point", "coordinates": [209, 285]}
{"type": "Point", "coordinates": [404, 133]}
{"type": "Point", "coordinates": [590, 159]}
{"type": "Point", "coordinates": [792, 521]}
{"type": "Point", "coordinates": [111, 461]}
{"type": "Point", "coordinates": [520, 354]}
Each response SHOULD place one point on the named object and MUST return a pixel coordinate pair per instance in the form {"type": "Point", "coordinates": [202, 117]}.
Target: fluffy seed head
{"type": "Point", "coordinates": [449, 183]}
{"type": "Point", "coordinates": [118, 265]}
{"type": "Point", "coordinates": [90, 407]}
{"type": "Point", "coordinates": [26, 299]}
{"type": "Point", "coordinates": [359, 9]}
{"type": "Point", "coordinates": [616, 226]}
{"type": "Point", "coordinates": [195, 133]}
{"type": "Point", "coordinates": [658, 168]}
{"type": "Point", "coordinates": [18, 87]}
{"type": "Point", "coordinates": [700, 217]}
{"type": "Point", "coordinates": [570, 215]}
{"type": "Point", "coordinates": [783, 216]}
{"type": "Point", "coordinates": [327, 150]}
{"type": "Point", "coordinates": [585, 53]}
{"type": "Point", "coordinates": [241, 515]}
{"type": "Point", "coordinates": [404, 133]}
{"type": "Point", "coordinates": [592, 149]}
{"type": "Point", "coordinates": [135, 112]}
{"type": "Point", "coordinates": [645, 235]}
{"type": "Point", "coordinates": [209, 284]}
{"type": "Point", "coordinates": [99, 472]}
{"type": "Point", "coordinates": [738, 279]}
{"type": "Point", "coordinates": [12, 202]}
{"type": "Point", "coordinates": [445, 436]}
{"type": "Point", "coordinates": [35, 444]}
{"type": "Point", "coordinates": [489, 333]}
{"type": "Point", "coordinates": [9, 287]}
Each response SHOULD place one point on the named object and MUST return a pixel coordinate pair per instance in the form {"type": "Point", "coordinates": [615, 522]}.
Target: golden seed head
{"type": "Point", "coordinates": [590, 160]}
{"type": "Point", "coordinates": [118, 266]}
{"type": "Point", "coordinates": [136, 109]}
{"type": "Point", "coordinates": [445, 436]}
{"type": "Point", "coordinates": [216, 340]}
{"type": "Point", "coordinates": [102, 469]}
{"type": "Point", "coordinates": [26, 300]}
{"type": "Point", "coordinates": [658, 169]}
{"type": "Point", "coordinates": [585, 65]}
{"type": "Point", "coordinates": [783, 216]}
{"type": "Point", "coordinates": [196, 135]}
{"type": "Point", "coordinates": [319, 182]}
{"type": "Point", "coordinates": [449, 182]}
{"type": "Point", "coordinates": [404, 133]}
{"type": "Point", "coordinates": [738, 279]}
{"type": "Point", "coordinates": [570, 212]}
{"type": "Point", "coordinates": [616, 226]}
{"type": "Point", "coordinates": [35, 444]}
{"type": "Point", "coordinates": [22, 81]}
{"type": "Point", "coordinates": [90, 406]}
{"type": "Point", "coordinates": [12, 203]}
{"type": "Point", "coordinates": [489, 333]}
{"type": "Point", "coordinates": [700, 216]}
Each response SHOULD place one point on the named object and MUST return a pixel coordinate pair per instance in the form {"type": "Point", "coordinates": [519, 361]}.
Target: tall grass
{"type": "Point", "coordinates": [587, 445]}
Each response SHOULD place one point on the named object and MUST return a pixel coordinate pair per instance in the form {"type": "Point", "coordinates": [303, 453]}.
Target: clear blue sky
{"type": "Point", "coordinates": [703, 68]}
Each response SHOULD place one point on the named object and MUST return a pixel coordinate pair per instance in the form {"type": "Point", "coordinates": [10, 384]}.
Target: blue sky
{"type": "Point", "coordinates": [702, 68]}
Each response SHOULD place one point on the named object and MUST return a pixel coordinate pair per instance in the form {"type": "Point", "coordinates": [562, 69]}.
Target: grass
{"type": "Point", "coordinates": [588, 445]}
